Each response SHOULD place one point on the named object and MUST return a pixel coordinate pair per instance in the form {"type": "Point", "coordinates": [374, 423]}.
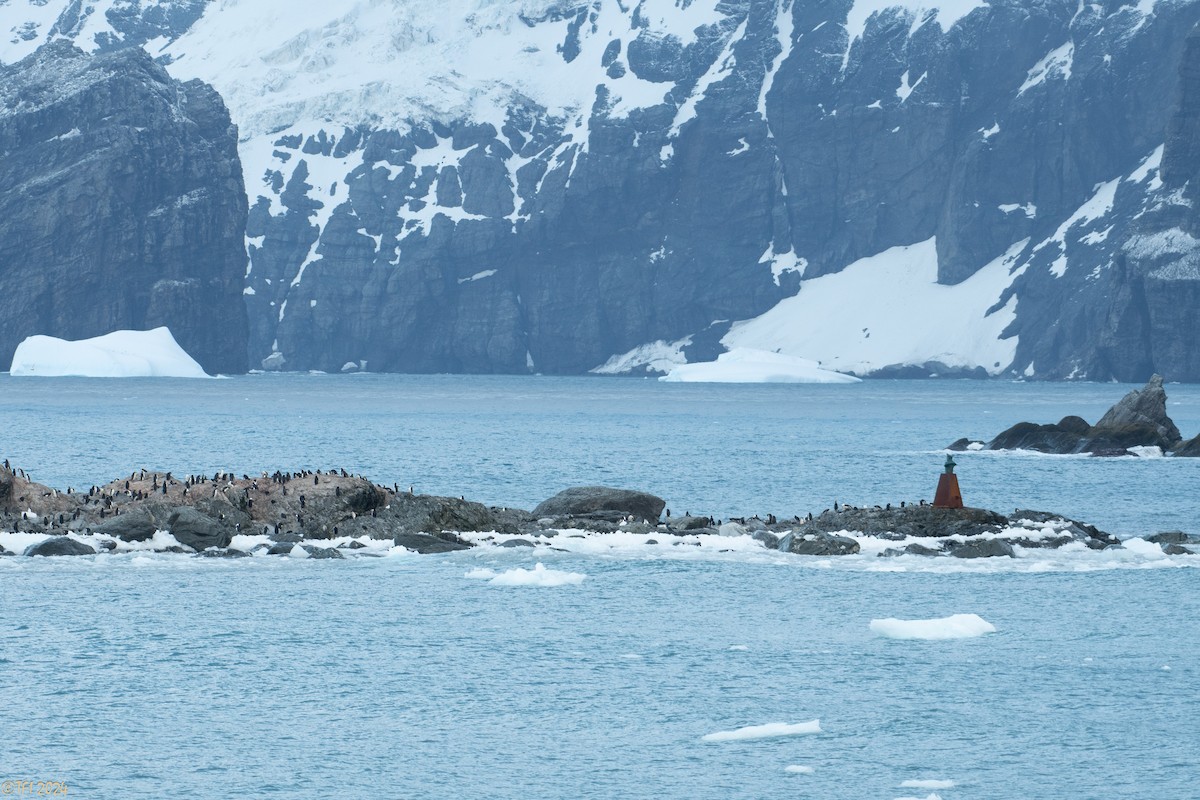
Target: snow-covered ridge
{"type": "Point", "coordinates": [279, 63]}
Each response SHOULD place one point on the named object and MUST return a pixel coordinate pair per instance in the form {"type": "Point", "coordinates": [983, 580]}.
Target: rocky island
{"type": "Point", "coordinates": [331, 514]}
{"type": "Point", "coordinates": [1139, 420]}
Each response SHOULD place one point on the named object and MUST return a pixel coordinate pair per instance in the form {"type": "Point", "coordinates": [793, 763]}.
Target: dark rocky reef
{"type": "Point", "coordinates": [1139, 419]}
{"type": "Point", "coordinates": [333, 514]}
{"type": "Point", "coordinates": [122, 205]}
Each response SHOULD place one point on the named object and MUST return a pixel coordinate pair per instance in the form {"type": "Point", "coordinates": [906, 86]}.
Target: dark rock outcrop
{"type": "Point", "coordinates": [60, 546]}
{"type": "Point", "coordinates": [818, 544]}
{"type": "Point", "coordinates": [121, 205]}
{"type": "Point", "coordinates": [196, 530]}
{"type": "Point", "coordinates": [982, 548]}
{"type": "Point", "coordinates": [590, 501]}
{"type": "Point", "coordinates": [425, 543]}
{"type": "Point", "coordinates": [135, 526]}
{"type": "Point", "coordinates": [922, 521]}
{"type": "Point", "coordinates": [1139, 419]}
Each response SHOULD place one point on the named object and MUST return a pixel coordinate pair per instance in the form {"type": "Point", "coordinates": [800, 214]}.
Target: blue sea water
{"type": "Point", "coordinates": [149, 676]}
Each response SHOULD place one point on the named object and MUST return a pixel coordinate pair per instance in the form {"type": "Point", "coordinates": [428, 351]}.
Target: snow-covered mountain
{"type": "Point", "coordinates": [895, 186]}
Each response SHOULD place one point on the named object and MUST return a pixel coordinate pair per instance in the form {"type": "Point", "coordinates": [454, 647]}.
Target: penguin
{"type": "Point", "coordinates": [835, 506]}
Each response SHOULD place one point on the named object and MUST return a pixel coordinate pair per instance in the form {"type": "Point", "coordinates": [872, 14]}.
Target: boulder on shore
{"type": "Point", "coordinates": [818, 544]}
{"type": "Point", "coordinates": [197, 530]}
{"type": "Point", "coordinates": [60, 546]}
{"type": "Point", "coordinates": [582, 501]}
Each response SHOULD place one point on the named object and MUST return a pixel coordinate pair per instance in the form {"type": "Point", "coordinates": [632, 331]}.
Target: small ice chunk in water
{"type": "Point", "coordinates": [738, 647]}
{"type": "Point", "coordinates": [958, 626]}
{"type": "Point", "coordinates": [1166, 668]}
{"type": "Point", "coordinates": [770, 730]}
{"type": "Point", "coordinates": [928, 797]}
{"type": "Point", "coordinates": [480, 574]}
{"type": "Point", "coordinates": [798, 769]}
{"type": "Point", "coordinates": [929, 784]}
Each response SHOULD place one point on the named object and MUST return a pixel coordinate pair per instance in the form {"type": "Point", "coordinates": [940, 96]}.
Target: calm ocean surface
{"type": "Point", "coordinates": [151, 676]}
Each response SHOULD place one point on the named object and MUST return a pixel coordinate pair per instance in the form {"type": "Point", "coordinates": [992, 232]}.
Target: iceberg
{"type": "Point", "coordinates": [768, 731]}
{"type": "Point", "coordinates": [121, 354]}
{"type": "Point", "coordinates": [747, 365]}
{"type": "Point", "coordinates": [958, 626]}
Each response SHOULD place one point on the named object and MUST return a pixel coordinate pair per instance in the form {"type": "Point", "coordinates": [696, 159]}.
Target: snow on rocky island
{"type": "Point", "coordinates": [334, 514]}
{"type": "Point", "coordinates": [121, 354]}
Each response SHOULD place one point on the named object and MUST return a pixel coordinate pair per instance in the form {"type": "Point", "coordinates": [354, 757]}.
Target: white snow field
{"type": "Point", "coordinates": [768, 731]}
{"type": "Point", "coordinates": [958, 626]}
{"type": "Point", "coordinates": [889, 310]}
{"type": "Point", "coordinates": [121, 354]}
{"type": "Point", "coordinates": [747, 365]}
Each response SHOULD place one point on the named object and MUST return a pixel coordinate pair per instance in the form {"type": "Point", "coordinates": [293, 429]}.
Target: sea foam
{"type": "Point", "coordinates": [538, 576]}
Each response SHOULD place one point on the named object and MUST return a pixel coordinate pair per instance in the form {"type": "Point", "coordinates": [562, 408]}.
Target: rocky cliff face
{"type": "Point", "coordinates": [121, 205]}
{"type": "Point", "coordinates": [556, 185]}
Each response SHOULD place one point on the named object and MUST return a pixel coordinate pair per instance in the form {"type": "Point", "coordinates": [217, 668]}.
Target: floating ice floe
{"type": "Point", "coordinates": [798, 769]}
{"type": "Point", "coordinates": [538, 576]}
{"type": "Point", "coordinates": [121, 354]}
{"type": "Point", "coordinates": [927, 784]}
{"type": "Point", "coordinates": [746, 365]}
{"type": "Point", "coordinates": [768, 731]}
{"type": "Point", "coordinates": [930, 796]}
{"type": "Point", "coordinates": [958, 626]}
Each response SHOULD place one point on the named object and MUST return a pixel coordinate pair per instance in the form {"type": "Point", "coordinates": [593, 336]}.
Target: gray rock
{"type": "Point", "coordinates": [732, 529]}
{"type": "Point", "coordinates": [818, 544]}
{"type": "Point", "coordinates": [921, 550]}
{"type": "Point", "coordinates": [1174, 537]}
{"type": "Point", "coordinates": [687, 523]}
{"type": "Point", "coordinates": [60, 546]}
{"type": "Point", "coordinates": [322, 552]}
{"type": "Point", "coordinates": [1177, 550]}
{"type": "Point", "coordinates": [1138, 420]}
{"type": "Point", "coordinates": [286, 536]}
{"type": "Point", "coordinates": [424, 543]}
{"type": "Point", "coordinates": [227, 552]}
{"type": "Point", "coordinates": [196, 530]}
{"type": "Point", "coordinates": [516, 543]}
{"type": "Point", "coordinates": [1137, 414]}
{"type": "Point", "coordinates": [768, 539]}
{"type": "Point", "coordinates": [133, 526]}
{"type": "Point", "coordinates": [982, 548]}
{"type": "Point", "coordinates": [281, 549]}
{"type": "Point", "coordinates": [585, 500]}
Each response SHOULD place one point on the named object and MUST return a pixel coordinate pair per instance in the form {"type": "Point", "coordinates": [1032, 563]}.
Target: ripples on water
{"type": "Point", "coordinates": [150, 676]}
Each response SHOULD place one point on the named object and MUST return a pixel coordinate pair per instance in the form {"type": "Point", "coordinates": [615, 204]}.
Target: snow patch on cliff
{"type": "Point", "coordinates": [889, 310]}
{"type": "Point", "coordinates": [1057, 63]}
{"type": "Point", "coordinates": [946, 12]}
